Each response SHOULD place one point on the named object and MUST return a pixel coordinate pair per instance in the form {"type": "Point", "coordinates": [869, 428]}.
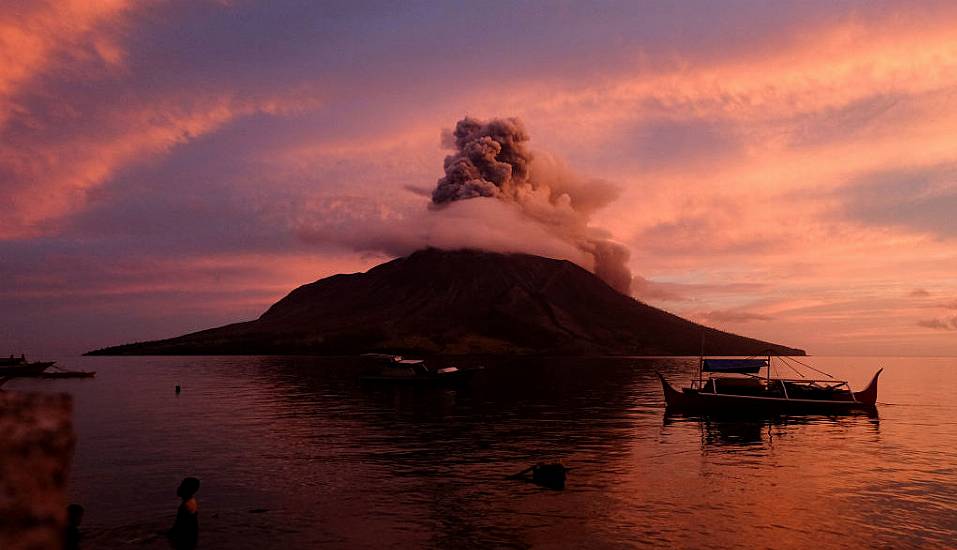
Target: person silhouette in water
{"type": "Point", "coordinates": [71, 537]}
{"type": "Point", "coordinates": [185, 531]}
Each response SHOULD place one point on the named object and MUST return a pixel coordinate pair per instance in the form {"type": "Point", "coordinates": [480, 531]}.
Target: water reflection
{"type": "Point", "coordinates": [741, 431]}
{"type": "Point", "coordinates": [325, 460]}
{"type": "Point", "coordinates": [538, 409]}
{"type": "Point", "coordinates": [448, 451]}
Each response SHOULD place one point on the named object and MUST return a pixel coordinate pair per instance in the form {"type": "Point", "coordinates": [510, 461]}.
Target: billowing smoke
{"type": "Point", "coordinates": [491, 160]}
{"type": "Point", "coordinates": [495, 196]}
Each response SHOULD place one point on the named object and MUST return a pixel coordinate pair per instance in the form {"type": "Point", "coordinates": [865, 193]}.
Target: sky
{"type": "Point", "coordinates": [786, 171]}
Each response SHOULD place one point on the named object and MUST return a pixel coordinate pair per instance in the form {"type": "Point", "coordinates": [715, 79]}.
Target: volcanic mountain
{"type": "Point", "coordinates": [460, 302]}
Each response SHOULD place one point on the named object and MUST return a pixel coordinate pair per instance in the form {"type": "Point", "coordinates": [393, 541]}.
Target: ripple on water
{"type": "Point", "coordinates": [296, 452]}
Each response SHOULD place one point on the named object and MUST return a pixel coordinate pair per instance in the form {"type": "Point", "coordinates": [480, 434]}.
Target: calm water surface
{"type": "Point", "coordinates": [295, 452]}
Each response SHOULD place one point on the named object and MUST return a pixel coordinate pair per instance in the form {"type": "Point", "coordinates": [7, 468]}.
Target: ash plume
{"type": "Point", "coordinates": [491, 160]}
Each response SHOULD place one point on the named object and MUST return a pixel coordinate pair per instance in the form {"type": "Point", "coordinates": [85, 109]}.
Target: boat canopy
{"type": "Point", "coordinates": [743, 366]}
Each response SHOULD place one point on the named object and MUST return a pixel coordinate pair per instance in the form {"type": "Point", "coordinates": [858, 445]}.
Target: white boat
{"type": "Point", "coordinates": [394, 368]}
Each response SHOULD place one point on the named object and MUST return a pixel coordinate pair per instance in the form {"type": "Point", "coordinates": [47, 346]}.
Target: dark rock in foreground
{"type": "Point", "coordinates": [460, 302]}
{"type": "Point", "coordinates": [36, 447]}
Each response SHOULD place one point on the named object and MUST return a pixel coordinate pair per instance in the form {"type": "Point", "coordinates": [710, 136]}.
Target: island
{"type": "Point", "coordinates": [460, 302]}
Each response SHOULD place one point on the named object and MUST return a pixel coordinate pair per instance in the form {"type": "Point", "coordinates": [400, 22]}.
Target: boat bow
{"type": "Point", "coordinates": [673, 397]}
{"type": "Point", "coordinates": [868, 395]}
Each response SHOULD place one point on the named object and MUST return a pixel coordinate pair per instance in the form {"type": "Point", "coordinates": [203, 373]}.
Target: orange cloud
{"type": "Point", "coordinates": [817, 69]}
{"type": "Point", "coordinates": [808, 118]}
{"type": "Point", "coordinates": [39, 37]}
{"type": "Point", "coordinates": [55, 177]}
{"type": "Point", "coordinates": [736, 168]}
{"type": "Point", "coordinates": [60, 141]}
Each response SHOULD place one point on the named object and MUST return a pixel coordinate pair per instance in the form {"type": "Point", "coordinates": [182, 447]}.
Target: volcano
{"type": "Point", "coordinates": [437, 302]}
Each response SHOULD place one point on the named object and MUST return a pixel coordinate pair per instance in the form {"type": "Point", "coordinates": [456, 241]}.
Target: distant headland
{"type": "Point", "coordinates": [437, 302]}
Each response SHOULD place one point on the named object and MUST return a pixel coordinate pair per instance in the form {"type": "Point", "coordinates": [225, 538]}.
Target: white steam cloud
{"type": "Point", "coordinates": [491, 160]}
{"type": "Point", "coordinates": [496, 196]}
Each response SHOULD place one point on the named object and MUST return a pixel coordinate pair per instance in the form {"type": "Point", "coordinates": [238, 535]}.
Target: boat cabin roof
{"type": "Point", "coordinates": [741, 369]}
{"type": "Point", "coordinates": [386, 356]}
{"type": "Point", "coordinates": [742, 366]}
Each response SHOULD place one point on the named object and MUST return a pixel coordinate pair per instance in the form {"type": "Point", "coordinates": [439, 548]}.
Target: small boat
{"type": "Point", "coordinates": [725, 386]}
{"type": "Point", "coordinates": [19, 366]}
{"type": "Point", "coordinates": [394, 368]}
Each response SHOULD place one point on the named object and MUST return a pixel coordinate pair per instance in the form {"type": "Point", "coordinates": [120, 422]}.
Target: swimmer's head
{"type": "Point", "coordinates": [187, 488]}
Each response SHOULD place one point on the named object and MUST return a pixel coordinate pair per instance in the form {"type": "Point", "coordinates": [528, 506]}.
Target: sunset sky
{"type": "Point", "coordinates": [787, 171]}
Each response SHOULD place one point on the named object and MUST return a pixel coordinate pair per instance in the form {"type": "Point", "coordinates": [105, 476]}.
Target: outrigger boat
{"type": "Point", "coordinates": [735, 385]}
{"type": "Point", "coordinates": [19, 366]}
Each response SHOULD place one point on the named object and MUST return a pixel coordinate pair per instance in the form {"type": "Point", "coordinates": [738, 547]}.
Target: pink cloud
{"type": "Point", "coordinates": [734, 163]}
{"type": "Point", "coordinates": [75, 110]}
{"type": "Point", "coordinates": [730, 316]}
{"type": "Point", "coordinates": [39, 37]}
{"type": "Point", "coordinates": [939, 324]}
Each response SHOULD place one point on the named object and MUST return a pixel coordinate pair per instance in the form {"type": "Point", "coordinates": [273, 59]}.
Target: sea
{"type": "Point", "coordinates": [297, 452]}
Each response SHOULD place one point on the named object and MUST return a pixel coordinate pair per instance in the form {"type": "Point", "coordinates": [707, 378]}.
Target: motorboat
{"type": "Point", "coordinates": [734, 385]}
{"type": "Point", "coordinates": [393, 368]}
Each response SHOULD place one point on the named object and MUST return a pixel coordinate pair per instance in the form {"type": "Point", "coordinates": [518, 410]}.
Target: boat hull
{"type": "Point", "coordinates": [424, 380]}
{"type": "Point", "coordinates": [722, 403]}
{"type": "Point", "coordinates": [25, 369]}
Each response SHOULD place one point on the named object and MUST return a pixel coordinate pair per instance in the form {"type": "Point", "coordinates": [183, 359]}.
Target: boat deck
{"type": "Point", "coordinates": [802, 389]}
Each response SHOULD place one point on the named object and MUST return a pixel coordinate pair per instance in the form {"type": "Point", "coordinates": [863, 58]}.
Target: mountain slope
{"type": "Point", "coordinates": [456, 302]}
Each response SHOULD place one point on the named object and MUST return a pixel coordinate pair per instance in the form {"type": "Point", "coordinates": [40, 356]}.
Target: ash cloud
{"type": "Point", "coordinates": [491, 159]}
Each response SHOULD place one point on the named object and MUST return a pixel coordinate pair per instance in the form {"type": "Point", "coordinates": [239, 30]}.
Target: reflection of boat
{"type": "Point", "coordinates": [19, 366]}
{"type": "Point", "coordinates": [735, 385]}
{"type": "Point", "coordinates": [394, 368]}
{"type": "Point", "coordinates": [68, 374]}
{"type": "Point", "coordinates": [745, 429]}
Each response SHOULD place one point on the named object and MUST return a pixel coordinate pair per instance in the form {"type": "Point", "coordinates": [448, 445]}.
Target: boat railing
{"type": "Point", "coordinates": [697, 383]}
{"type": "Point", "coordinates": [710, 384]}
{"type": "Point", "coordinates": [829, 381]}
